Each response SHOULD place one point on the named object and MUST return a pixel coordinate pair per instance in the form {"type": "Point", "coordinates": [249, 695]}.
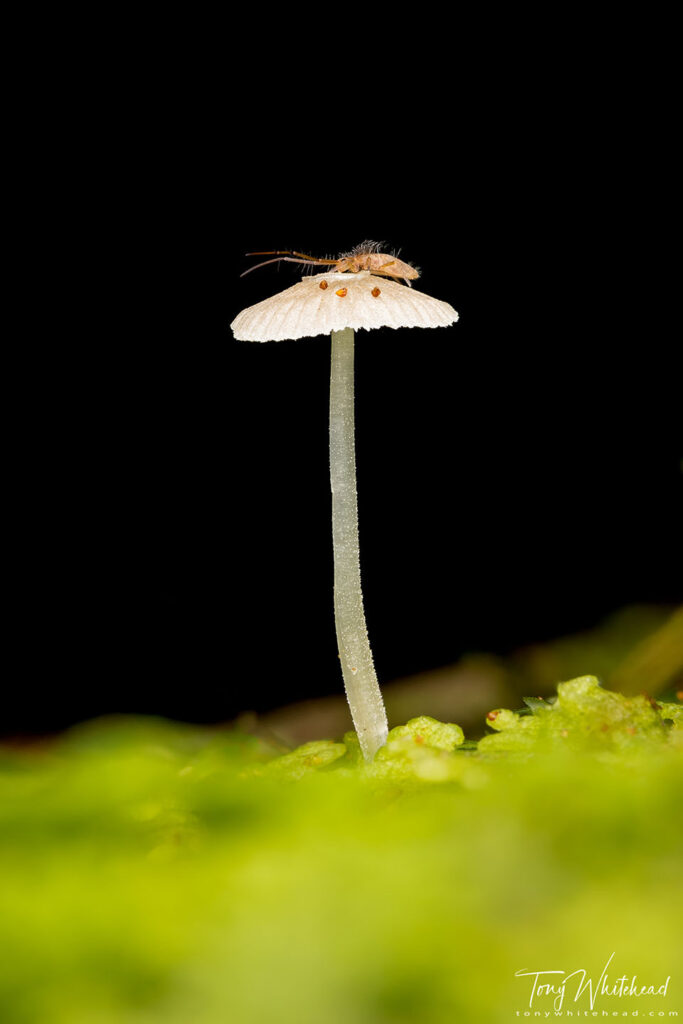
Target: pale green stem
{"type": "Point", "coordinates": [360, 680]}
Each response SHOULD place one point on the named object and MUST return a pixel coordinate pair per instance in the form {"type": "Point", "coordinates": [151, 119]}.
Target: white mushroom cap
{"type": "Point", "coordinates": [307, 309]}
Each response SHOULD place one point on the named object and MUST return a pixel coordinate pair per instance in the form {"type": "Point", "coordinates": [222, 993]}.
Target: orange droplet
{"type": "Point", "coordinates": [341, 292]}
{"type": "Point", "coordinates": [323, 285]}
{"type": "Point", "coordinates": [492, 715]}
{"type": "Point", "coordinates": [375, 292]}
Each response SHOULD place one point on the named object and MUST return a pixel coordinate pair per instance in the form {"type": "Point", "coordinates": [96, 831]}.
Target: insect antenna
{"type": "Point", "coordinates": [287, 255]}
{"type": "Point", "coordinates": [284, 259]}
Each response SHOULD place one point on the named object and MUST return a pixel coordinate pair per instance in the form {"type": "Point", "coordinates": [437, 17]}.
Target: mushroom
{"type": "Point", "coordinates": [340, 303]}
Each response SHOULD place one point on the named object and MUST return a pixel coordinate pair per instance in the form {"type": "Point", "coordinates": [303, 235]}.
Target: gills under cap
{"type": "Point", "coordinates": [315, 306]}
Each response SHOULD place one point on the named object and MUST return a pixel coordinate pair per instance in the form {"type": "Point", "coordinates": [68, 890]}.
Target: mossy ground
{"type": "Point", "coordinates": [159, 873]}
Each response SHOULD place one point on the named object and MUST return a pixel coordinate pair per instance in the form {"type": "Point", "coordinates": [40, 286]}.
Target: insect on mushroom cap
{"type": "Point", "coordinates": [306, 309]}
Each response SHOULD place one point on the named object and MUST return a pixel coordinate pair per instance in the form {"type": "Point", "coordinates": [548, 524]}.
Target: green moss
{"type": "Point", "coordinates": [310, 757]}
{"type": "Point", "coordinates": [157, 874]}
{"type": "Point", "coordinates": [584, 717]}
{"type": "Point", "coordinates": [426, 732]}
{"type": "Point", "coordinates": [417, 750]}
{"type": "Point", "coordinates": [673, 713]}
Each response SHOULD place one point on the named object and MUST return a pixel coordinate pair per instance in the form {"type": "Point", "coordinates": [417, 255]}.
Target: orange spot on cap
{"type": "Point", "coordinates": [341, 292]}
{"type": "Point", "coordinates": [375, 292]}
{"type": "Point", "coordinates": [323, 285]}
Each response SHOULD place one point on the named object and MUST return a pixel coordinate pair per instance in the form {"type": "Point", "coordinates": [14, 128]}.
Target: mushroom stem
{"type": "Point", "coordinates": [360, 680]}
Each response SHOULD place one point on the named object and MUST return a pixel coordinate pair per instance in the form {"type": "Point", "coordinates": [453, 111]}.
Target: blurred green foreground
{"type": "Point", "coordinates": [151, 872]}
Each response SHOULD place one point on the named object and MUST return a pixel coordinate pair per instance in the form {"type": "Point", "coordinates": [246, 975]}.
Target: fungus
{"type": "Point", "coordinates": [339, 304]}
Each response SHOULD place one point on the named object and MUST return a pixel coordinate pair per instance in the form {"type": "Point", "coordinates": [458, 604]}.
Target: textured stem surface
{"type": "Point", "coordinates": [360, 680]}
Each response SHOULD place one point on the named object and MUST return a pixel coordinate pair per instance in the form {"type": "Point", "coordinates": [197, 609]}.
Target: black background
{"type": "Point", "coordinates": [519, 473]}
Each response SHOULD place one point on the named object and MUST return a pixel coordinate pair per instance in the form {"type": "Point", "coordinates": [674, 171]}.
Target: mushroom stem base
{"type": "Point", "coordinates": [360, 679]}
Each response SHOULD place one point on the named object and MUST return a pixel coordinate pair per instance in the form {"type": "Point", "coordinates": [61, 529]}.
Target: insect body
{"type": "Point", "coordinates": [364, 257]}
